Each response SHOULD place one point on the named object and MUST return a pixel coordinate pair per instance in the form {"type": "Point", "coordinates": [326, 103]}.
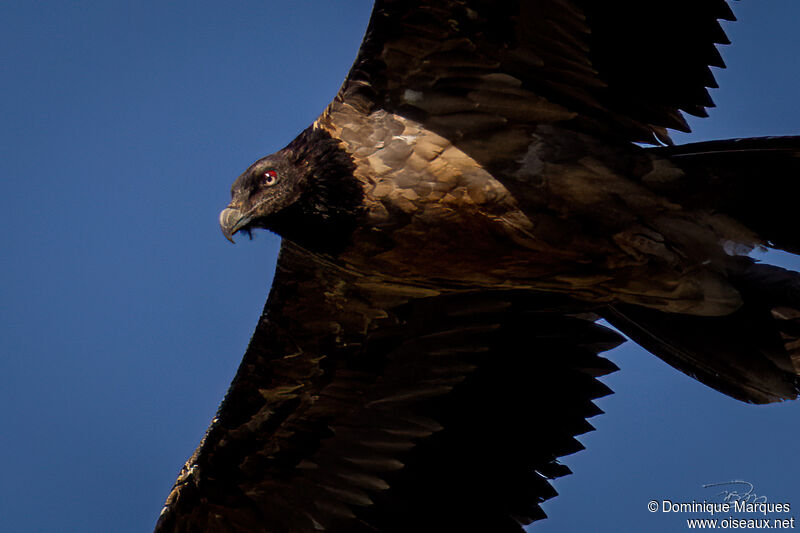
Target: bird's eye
{"type": "Point", "coordinates": [270, 178]}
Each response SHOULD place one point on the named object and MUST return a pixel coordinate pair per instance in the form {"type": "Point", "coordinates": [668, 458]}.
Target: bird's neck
{"type": "Point", "coordinates": [330, 205]}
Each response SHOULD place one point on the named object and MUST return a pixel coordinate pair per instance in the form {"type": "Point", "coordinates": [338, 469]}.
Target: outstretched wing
{"type": "Point", "coordinates": [620, 69]}
{"type": "Point", "coordinates": [364, 406]}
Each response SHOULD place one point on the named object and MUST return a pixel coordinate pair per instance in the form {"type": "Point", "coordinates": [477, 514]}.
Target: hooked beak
{"type": "Point", "coordinates": [232, 220]}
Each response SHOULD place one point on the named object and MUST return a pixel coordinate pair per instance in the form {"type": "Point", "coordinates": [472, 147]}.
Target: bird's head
{"type": "Point", "coordinates": [266, 189]}
{"type": "Point", "coordinates": [306, 192]}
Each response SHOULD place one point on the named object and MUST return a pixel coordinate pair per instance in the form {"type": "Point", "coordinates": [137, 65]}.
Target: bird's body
{"type": "Point", "coordinates": [580, 218]}
{"type": "Point", "coordinates": [454, 223]}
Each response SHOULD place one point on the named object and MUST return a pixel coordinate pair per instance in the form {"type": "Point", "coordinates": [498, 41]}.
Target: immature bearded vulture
{"type": "Point", "coordinates": [454, 223]}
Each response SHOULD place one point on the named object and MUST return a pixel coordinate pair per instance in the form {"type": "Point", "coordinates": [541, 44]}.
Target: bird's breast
{"type": "Point", "coordinates": [433, 213]}
{"type": "Point", "coordinates": [435, 216]}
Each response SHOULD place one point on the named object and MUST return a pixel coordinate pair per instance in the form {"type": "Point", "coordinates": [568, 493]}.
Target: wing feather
{"type": "Point", "coordinates": [361, 409]}
{"type": "Point", "coordinates": [626, 80]}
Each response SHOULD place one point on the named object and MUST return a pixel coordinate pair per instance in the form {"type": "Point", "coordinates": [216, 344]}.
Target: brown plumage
{"type": "Point", "coordinates": [454, 223]}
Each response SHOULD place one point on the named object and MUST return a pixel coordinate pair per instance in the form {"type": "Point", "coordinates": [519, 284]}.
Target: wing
{"type": "Point", "coordinates": [365, 406]}
{"type": "Point", "coordinates": [490, 70]}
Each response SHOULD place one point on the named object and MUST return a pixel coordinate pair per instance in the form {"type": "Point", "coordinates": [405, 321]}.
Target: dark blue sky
{"type": "Point", "coordinates": [125, 312]}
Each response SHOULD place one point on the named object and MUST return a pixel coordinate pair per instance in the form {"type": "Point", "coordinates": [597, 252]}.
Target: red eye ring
{"type": "Point", "coordinates": [270, 177]}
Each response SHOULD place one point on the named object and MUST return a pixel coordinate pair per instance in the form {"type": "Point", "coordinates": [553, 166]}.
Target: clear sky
{"type": "Point", "coordinates": [124, 312]}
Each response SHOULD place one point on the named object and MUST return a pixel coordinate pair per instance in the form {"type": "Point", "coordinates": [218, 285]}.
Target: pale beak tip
{"type": "Point", "coordinates": [230, 221]}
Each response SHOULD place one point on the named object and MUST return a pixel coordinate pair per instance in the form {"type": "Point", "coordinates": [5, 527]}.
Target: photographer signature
{"type": "Point", "coordinates": [734, 495]}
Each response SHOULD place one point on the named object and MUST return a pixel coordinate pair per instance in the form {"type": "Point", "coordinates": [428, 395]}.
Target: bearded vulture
{"type": "Point", "coordinates": [492, 178]}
